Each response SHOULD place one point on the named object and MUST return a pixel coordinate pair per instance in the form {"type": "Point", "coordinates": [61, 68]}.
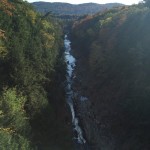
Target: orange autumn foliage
{"type": "Point", "coordinates": [6, 7]}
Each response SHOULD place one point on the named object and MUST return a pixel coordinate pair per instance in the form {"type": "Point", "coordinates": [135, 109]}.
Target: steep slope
{"type": "Point", "coordinates": [112, 52]}
{"type": "Point", "coordinates": [32, 102]}
{"type": "Point", "coordinates": [71, 9]}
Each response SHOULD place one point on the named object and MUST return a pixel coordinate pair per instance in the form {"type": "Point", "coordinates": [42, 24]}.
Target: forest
{"type": "Point", "coordinates": [32, 70]}
{"type": "Point", "coordinates": [111, 49]}
{"type": "Point", "coordinates": [59, 8]}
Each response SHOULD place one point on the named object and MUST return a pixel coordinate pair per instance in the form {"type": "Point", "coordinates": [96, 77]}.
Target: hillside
{"type": "Point", "coordinates": [112, 52]}
{"type": "Point", "coordinates": [71, 9]}
{"type": "Point", "coordinates": [31, 115]}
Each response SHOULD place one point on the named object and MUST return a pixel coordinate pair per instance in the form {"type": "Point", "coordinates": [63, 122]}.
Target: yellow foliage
{"type": "Point", "coordinates": [9, 130]}
{"type": "Point", "coordinates": [106, 21]}
{"type": "Point", "coordinates": [2, 34]}
{"type": "Point", "coordinates": [3, 51]}
{"type": "Point", "coordinates": [46, 24]}
{"type": "Point", "coordinates": [32, 15]}
{"type": "Point", "coordinates": [49, 39]}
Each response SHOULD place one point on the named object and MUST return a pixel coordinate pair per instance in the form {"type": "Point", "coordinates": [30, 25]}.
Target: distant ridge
{"type": "Point", "coordinates": [73, 9]}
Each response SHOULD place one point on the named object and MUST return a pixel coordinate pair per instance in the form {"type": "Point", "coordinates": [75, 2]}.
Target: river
{"type": "Point", "coordinates": [80, 142]}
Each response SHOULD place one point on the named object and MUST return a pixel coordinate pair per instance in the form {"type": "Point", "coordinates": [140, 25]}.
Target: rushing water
{"type": "Point", "coordinates": [70, 60]}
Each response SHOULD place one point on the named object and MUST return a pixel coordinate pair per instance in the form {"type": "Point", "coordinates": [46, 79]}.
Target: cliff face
{"type": "Point", "coordinates": [112, 52]}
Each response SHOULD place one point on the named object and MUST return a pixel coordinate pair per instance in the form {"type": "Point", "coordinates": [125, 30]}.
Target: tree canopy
{"type": "Point", "coordinates": [30, 55]}
{"type": "Point", "coordinates": [113, 49]}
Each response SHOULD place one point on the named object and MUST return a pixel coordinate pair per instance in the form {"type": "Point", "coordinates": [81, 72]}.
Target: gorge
{"type": "Point", "coordinates": [74, 82]}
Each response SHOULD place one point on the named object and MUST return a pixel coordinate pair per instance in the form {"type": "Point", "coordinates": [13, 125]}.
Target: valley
{"type": "Point", "coordinates": [74, 77]}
